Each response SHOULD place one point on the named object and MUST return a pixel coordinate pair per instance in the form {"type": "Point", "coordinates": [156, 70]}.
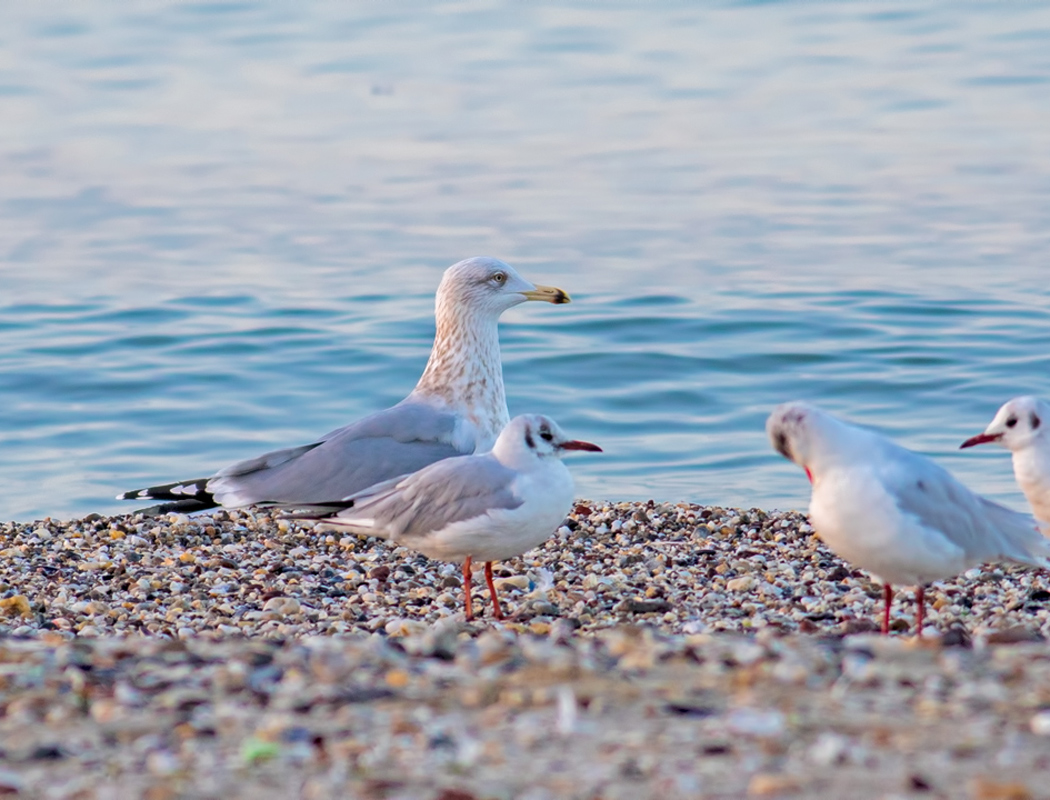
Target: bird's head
{"type": "Point", "coordinates": [536, 436]}
{"type": "Point", "coordinates": [793, 430]}
{"type": "Point", "coordinates": [1017, 425]}
{"type": "Point", "coordinates": [489, 287]}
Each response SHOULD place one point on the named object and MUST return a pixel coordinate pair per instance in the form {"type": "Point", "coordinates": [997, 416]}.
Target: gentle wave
{"type": "Point", "coordinates": [224, 224]}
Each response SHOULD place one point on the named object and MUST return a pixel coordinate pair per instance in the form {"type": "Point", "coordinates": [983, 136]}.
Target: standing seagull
{"type": "Point", "coordinates": [1020, 426]}
{"type": "Point", "coordinates": [486, 507]}
{"type": "Point", "coordinates": [893, 512]}
{"type": "Point", "coordinates": [457, 408]}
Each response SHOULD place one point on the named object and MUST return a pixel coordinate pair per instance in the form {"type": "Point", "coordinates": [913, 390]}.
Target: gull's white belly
{"type": "Point", "coordinates": [505, 533]}
{"type": "Point", "coordinates": [862, 523]}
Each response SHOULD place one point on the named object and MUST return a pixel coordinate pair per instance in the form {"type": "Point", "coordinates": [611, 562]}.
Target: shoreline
{"type": "Point", "coordinates": [657, 650]}
{"type": "Point", "coordinates": [680, 567]}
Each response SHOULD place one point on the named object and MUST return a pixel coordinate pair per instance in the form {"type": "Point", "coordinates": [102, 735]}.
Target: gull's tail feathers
{"type": "Point", "coordinates": [315, 512]}
{"type": "Point", "coordinates": [326, 516]}
{"type": "Point", "coordinates": [1021, 537]}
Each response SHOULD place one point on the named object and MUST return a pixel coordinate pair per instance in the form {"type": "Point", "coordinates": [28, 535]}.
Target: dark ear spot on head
{"type": "Point", "coordinates": [1036, 422]}
{"type": "Point", "coordinates": [529, 441]}
{"type": "Point", "coordinates": [781, 444]}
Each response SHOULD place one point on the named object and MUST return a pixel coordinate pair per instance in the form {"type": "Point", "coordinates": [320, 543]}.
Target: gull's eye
{"type": "Point", "coordinates": [1011, 422]}
{"type": "Point", "coordinates": [1036, 422]}
{"type": "Point", "coordinates": [499, 278]}
{"type": "Point", "coordinates": [546, 435]}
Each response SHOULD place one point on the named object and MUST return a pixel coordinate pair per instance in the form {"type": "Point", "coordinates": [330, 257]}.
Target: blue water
{"type": "Point", "coordinates": [223, 223]}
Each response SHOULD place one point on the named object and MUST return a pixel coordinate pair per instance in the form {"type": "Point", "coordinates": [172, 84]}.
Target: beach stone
{"type": "Point", "coordinates": [763, 723]}
{"type": "Point", "coordinates": [1039, 724]}
{"type": "Point", "coordinates": [742, 584]}
{"type": "Point", "coordinates": [17, 606]}
{"type": "Point", "coordinates": [773, 785]}
{"type": "Point", "coordinates": [283, 606]}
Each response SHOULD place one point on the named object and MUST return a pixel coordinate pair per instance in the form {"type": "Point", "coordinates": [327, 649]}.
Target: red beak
{"type": "Point", "coordinates": [575, 444]}
{"type": "Point", "coordinates": [981, 438]}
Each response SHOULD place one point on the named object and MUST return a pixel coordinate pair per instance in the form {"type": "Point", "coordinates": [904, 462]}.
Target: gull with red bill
{"type": "Point", "coordinates": [1021, 427]}
{"type": "Point", "coordinates": [481, 507]}
{"type": "Point", "coordinates": [895, 513]}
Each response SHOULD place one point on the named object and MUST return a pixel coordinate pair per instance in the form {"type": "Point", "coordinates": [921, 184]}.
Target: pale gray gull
{"type": "Point", "coordinates": [893, 512]}
{"type": "Point", "coordinates": [457, 408]}
{"type": "Point", "coordinates": [1021, 427]}
{"type": "Point", "coordinates": [486, 507]}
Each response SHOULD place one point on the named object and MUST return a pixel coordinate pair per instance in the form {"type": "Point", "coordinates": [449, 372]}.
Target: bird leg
{"type": "Point", "coordinates": [466, 589]}
{"type": "Point", "coordinates": [887, 600]}
{"type": "Point", "coordinates": [496, 610]}
{"type": "Point", "coordinates": [920, 598]}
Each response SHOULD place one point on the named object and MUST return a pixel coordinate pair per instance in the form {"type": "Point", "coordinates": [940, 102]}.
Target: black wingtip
{"type": "Point", "coordinates": [184, 496]}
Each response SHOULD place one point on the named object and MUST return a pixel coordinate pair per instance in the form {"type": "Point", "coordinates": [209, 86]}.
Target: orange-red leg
{"type": "Point", "coordinates": [887, 601]}
{"type": "Point", "coordinates": [496, 610]}
{"type": "Point", "coordinates": [466, 589]}
{"type": "Point", "coordinates": [920, 598]}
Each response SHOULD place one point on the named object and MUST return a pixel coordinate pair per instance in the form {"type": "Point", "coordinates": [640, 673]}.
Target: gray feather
{"type": "Point", "coordinates": [985, 531]}
{"type": "Point", "coordinates": [390, 443]}
{"type": "Point", "coordinates": [430, 500]}
{"type": "Point", "coordinates": [266, 461]}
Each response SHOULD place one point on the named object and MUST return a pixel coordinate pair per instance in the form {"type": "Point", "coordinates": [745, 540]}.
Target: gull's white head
{"type": "Point", "coordinates": [534, 436]}
{"type": "Point", "coordinates": [488, 286]}
{"type": "Point", "coordinates": [465, 371]}
{"type": "Point", "coordinates": [801, 433]}
{"type": "Point", "coordinates": [1019, 424]}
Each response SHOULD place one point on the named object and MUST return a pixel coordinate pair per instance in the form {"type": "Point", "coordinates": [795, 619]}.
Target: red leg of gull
{"type": "Point", "coordinates": [466, 589]}
{"type": "Point", "coordinates": [920, 598]}
{"type": "Point", "coordinates": [887, 601]}
{"type": "Point", "coordinates": [492, 590]}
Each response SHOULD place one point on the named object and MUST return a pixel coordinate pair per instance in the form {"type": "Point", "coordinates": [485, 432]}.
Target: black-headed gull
{"type": "Point", "coordinates": [486, 507]}
{"type": "Point", "coordinates": [895, 513]}
{"type": "Point", "coordinates": [1021, 427]}
{"type": "Point", "coordinates": [458, 407]}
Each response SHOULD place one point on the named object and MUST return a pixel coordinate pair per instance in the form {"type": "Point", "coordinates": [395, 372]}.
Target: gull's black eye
{"type": "Point", "coordinates": [1036, 422]}
{"type": "Point", "coordinates": [546, 435]}
{"type": "Point", "coordinates": [500, 278]}
{"type": "Point", "coordinates": [1011, 422]}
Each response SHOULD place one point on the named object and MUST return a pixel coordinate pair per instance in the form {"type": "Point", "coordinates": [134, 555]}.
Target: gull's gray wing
{"type": "Point", "coordinates": [430, 500]}
{"type": "Point", "coordinates": [985, 531]}
{"type": "Point", "coordinates": [386, 444]}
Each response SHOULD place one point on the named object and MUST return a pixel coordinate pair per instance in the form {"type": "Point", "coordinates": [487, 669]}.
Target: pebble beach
{"type": "Point", "coordinates": [650, 650]}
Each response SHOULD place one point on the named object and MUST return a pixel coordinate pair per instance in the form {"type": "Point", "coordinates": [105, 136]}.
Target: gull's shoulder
{"type": "Point", "coordinates": [412, 420]}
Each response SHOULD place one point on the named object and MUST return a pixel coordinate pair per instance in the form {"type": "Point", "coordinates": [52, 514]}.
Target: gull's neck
{"type": "Point", "coordinates": [465, 373]}
{"type": "Point", "coordinates": [1032, 470]}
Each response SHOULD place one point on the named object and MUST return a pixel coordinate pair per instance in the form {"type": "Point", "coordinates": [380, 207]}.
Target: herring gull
{"type": "Point", "coordinates": [457, 408]}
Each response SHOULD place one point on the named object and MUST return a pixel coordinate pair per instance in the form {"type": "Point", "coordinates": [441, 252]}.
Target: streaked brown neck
{"type": "Point", "coordinates": [465, 371]}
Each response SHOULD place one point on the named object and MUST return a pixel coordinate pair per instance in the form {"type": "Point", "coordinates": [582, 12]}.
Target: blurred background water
{"type": "Point", "coordinates": [223, 224]}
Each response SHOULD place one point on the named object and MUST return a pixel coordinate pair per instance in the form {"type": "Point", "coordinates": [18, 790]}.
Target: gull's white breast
{"type": "Point", "coordinates": [1032, 470]}
{"type": "Point", "coordinates": [860, 519]}
{"type": "Point", "coordinates": [503, 533]}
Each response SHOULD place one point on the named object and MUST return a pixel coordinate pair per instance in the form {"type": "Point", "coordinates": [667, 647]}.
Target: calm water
{"type": "Point", "coordinates": [222, 226]}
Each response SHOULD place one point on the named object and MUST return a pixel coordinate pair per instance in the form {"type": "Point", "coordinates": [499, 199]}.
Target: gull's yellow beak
{"type": "Point", "coordinates": [548, 294]}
